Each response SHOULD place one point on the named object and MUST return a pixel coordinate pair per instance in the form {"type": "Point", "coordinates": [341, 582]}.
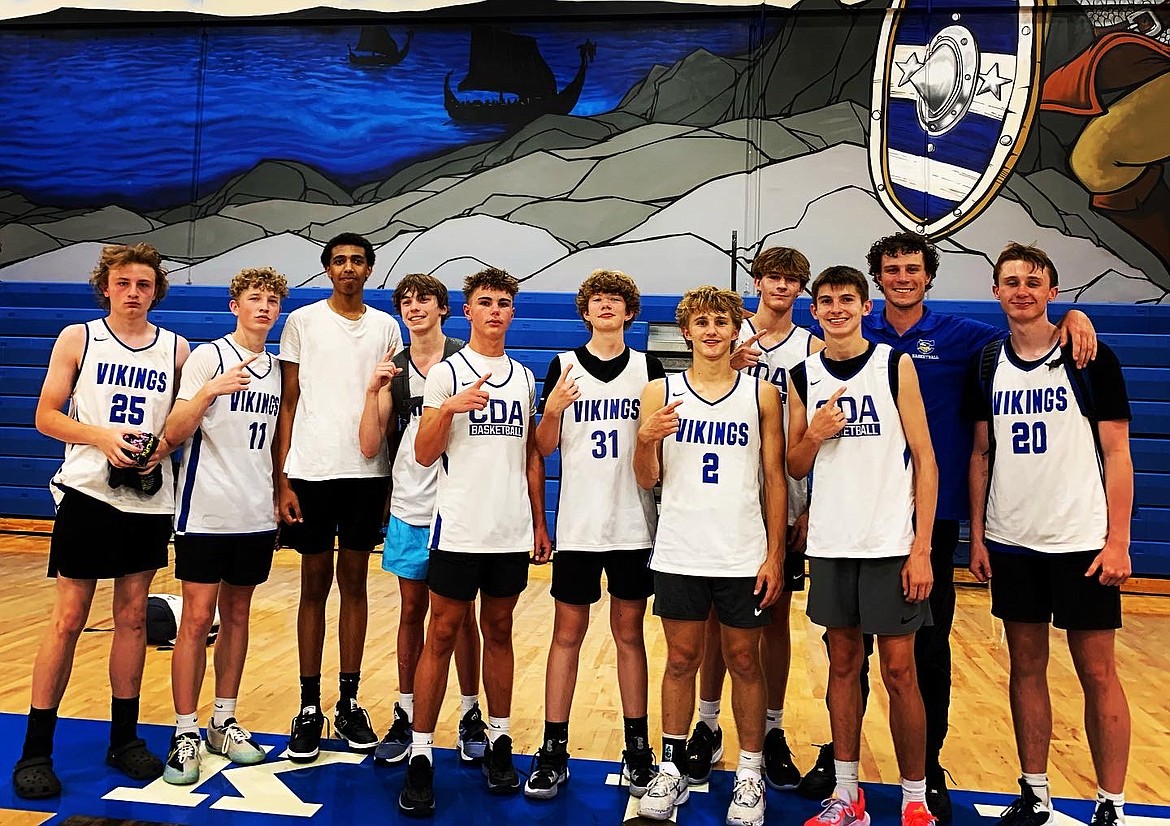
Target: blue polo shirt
{"type": "Point", "coordinates": [944, 348]}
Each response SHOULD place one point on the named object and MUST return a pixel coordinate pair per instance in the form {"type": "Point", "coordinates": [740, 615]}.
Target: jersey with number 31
{"type": "Point", "coordinates": [712, 523]}
{"type": "Point", "coordinates": [120, 386]}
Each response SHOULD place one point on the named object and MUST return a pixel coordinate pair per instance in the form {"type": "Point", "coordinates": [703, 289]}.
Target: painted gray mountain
{"type": "Point", "coordinates": [768, 145]}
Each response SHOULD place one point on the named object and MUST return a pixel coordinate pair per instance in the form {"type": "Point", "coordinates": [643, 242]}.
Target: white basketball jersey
{"type": "Point", "coordinates": [863, 483]}
{"type": "Point", "coordinates": [413, 495]}
{"type": "Point", "coordinates": [482, 504]}
{"type": "Point", "coordinates": [773, 367]}
{"type": "Point", "coordinates": [712, 522]}
{"type": "Point", "coordinates": [225, 481]}
{"type": "Point", "coordinates": [601, 507]}
{"type": "Point", "coordinates": [119, 386]}
{"type": "Point", "coordinates": [1047, 488]}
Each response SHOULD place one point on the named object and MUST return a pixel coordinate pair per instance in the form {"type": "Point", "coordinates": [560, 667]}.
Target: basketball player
{"type": "Point", "coordinates": [712, 436]}
{"type": "Point", "coordinates": [328, 490]}
{"type": "Point", "coordinates": [858, 422]}
{"type": "Point", "coordinates": [478, 407]}
{"type": "Point", "coordinates": [394, 397]}
{"type": "Point", "coordinates": [779, 275]}
{"type": "Point", "coordinates": [115, 498]}
{"type": "Point", "coordinates": [225, 526]}
{"type": "Point", "coordinates": [605, 522]}
{"type": "Point", "coordinates": [1047, 427]}
{"type": "Point", "coordinates": [943, 347]}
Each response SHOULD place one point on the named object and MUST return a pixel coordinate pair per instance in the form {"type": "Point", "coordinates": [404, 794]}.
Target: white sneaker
{"type": "Point", "coordinates": [747, 802]}
{"type": "Point", "coordinates": [234, 742]}
{"type": "Point", "coordinates": [182, 766]}
{"type": "Point", "coordinates": [666, 791]}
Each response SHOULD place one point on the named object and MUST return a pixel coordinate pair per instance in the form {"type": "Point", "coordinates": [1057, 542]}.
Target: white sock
{"type": "Point", "coordinates": [467, 702]}
{"type": "Point", "coordinates": [421, 743]}
{"type": "Point", "coordinates": [847, 771]}
{"type": "Point", "coordinates": [225, 707]}
{"type": "Point", "coordinates": [187, 724]}
{"type": "Point", "coordinates": [1039, 784]}
{"type": "Point", "coordinates": [774, 719]}
{"type": "Point", "coordinates": [709, 713]}
{"type": "Point", "coordinates": [751, 764]}
{"type": "Point", "coordinates": [498, 727]}
{"type": "Point", "coordinates": [1118, 801]}
{"type": "Point", "coordinates": [913, 791]}
{"type": "Point", "coordinates": [406, 703]}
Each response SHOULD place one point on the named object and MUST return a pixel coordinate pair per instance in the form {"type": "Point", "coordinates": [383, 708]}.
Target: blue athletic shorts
{"type": "Point", "coordinates": [405, 551]}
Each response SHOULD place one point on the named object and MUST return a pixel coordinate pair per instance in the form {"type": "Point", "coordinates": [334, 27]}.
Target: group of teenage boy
{"type": "Point", "coordinates": [910, 420]}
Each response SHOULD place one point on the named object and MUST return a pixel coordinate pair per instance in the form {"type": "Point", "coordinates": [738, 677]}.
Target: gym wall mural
{"type": "Point", "coordinates": [551, 144]}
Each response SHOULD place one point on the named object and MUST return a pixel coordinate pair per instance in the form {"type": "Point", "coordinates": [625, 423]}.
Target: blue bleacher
{"type": "Point", "coordinates": [32, 315]}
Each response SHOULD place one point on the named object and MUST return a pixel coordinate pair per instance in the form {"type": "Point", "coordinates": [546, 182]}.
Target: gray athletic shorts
{"type": "Point", "coordinates": [865, 593]}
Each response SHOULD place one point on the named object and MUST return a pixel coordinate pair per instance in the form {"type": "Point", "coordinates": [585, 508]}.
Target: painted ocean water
{"type": "Point", "coordinates": [156, 118]}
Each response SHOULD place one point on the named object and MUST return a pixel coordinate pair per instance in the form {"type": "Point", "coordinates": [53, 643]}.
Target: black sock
{"type": "Point", "coordinates": [637, 733]}
{"type": "Point", "coordinates": [556, 736]}
{"type": "Point", "coordinates": [674, 750]}
{"type": "Point", "coordinates": [347, 687]}
{"type": "Point", "coordinates": [123, 721]}
{"type": "Point", "coordinates": [38, 737]}
{"type": "Point", "coordinates": [311, 691]}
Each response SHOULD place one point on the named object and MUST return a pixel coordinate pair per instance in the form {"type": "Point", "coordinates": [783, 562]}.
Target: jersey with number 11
{"type": "Point", "coordinates": [712, 523]}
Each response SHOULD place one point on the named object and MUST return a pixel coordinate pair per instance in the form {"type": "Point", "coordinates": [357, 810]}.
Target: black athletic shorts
{"type": "Point", "coordinates": [94, 540]}
{"type": "Point", "coordinates": [458, 575]}
{"type": "Point", "coordinates": [793, 572]}
{"type": "Point", "coordinates": [689, 598]}
{"type": "Point", "coordinates": [576, 577]}
{"type": "Point", "coordinates": [1028, 586]}
{"type": "Point", "coordinates": [240, 559]}
{"type": "Point", "coordinates": [349, 510]}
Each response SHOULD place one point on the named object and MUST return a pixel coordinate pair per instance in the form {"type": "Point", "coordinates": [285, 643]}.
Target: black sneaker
{"type": "Point", "coordinates": [304, 743]}
{"type": "Point", "coordinates": [638, 769]}
{"type": "Point", "coordinates": [1027, 810]}
{"type": "Point", "coordinates": [352, 724]}
{"type": "Point", "coordinates": [779, 770]}
{"type": "Point", "coordinates": [417, 798]}
{"type": "Point", "coordinates": [472, 740]}
{"type": "Point", "coordinates": [498, 769]}
{"type": "Point", "coordinates": [1105, 814]}
{"type": "Point", "coordinates": [938, 799]}
{"type": "Point", "coordinates": [549, 770]}
{"type": "Point", "coordinates": [821, 779]}
{"type": "Point", "coordinates": [703, 751]}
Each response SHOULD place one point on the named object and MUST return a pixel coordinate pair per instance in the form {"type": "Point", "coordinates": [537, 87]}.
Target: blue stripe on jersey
{"type": "Point", "coordinates": [437, 531]}
{"type": "Point", "coordinates": [189, 482]}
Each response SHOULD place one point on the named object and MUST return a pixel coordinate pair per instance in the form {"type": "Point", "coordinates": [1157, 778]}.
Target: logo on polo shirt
{"type": "Point", "coordinates": [925, 346]}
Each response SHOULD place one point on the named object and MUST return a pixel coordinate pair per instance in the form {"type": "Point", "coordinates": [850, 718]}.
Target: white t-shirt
{"type": "Point", "coordinates": [412, 498]}
{"type": "Point", "coordinates": [225, 482]}
{"type": "Point", "coordinates": [336, 357]}
{"type": "Point", "coordinates": [482, 505]}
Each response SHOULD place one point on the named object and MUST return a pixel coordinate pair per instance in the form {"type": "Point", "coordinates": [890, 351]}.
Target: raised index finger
{"type": "Point", "coordinates": [479, 382]}
{"type": "Point", "coordinates": [250, 358]}
{"type": "Point", "coordinates": [759, 335]}
{"type": "Point", "coordinates": [671, 407]}
{"type": "Point", "coordinates": [833, 398]}
{"type": "Point", "coordinates": [565, 375]}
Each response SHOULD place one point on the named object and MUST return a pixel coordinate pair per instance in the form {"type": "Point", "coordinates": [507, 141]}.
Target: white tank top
{"type": "Point", "coordinates": [773, 367]}
{"type": "Point", "coordinates": [1042, 441]}
{"type": "Point", "coordinates": [712, 523]}
{"type": "Point", "coordinates": [413, 497]}
{"type": "Point", "coordinates": [482, 504]}
{"type": "Point", "coordinates": [120, 386]}
{"type": "Point", "coordinates": [225, 481]}
{"type": "Point", "coordinates": [601, 507]}
{"type": "Point", "coordinates": [863, 483]}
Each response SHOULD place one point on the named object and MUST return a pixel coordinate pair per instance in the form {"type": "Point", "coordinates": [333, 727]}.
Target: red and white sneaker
{"type": "Point", "coordinates": [916, 814]}
{"type": "Point", "coordinates": [839, 812]}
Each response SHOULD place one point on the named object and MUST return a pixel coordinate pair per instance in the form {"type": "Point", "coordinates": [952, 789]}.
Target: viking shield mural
{"type": "Point", "coordinates": [954, 93]}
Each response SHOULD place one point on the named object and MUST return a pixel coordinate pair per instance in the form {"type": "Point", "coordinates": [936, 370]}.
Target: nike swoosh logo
{"type": "Point", "coordinates": [761, 610]}
{"type": "Point", "coordinates": [679, 393]}
{"type": "Point", "coordinates": [465, 383]}
{"type": "Point", "coordinates": [814, 383]}
{"type": "Point", "coordinates": [906, 621]}
{"type": "Point", "coordinates": [101, 338]}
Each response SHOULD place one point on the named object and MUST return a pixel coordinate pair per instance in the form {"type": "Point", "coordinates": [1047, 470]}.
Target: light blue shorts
{"type": "Point", "coordinates": [405, 552]}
